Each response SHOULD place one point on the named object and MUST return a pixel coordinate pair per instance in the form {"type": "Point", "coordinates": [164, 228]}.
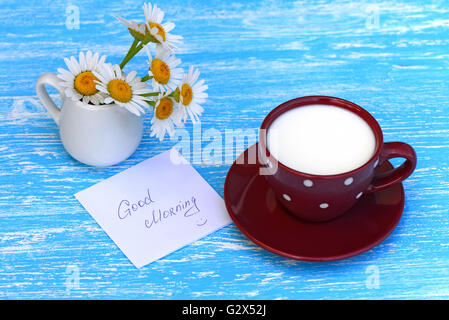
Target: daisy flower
{"type": "Point", "coordinates": [153, 20]}
{"type": "Point", "coordinates": [192, 94]}
{"type": "Point", "coordinates": [162, 69]}
{"type": "Point", "coordinates": [79, 82]}
{"type": "Point", "coordinates": [167, 115]}
{"type": "Point", "coordinates": [136, 30]}
{"type": "Point", "coordinates": [125, 90]}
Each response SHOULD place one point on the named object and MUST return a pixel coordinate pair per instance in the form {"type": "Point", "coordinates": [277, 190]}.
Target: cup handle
{"type": "Point", "coordinates": [52, 80]}
{"type": "Point", "coordinates": [396, 175]}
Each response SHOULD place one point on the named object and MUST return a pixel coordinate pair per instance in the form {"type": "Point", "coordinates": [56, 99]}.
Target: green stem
{"type": "Point", "coordinates": [151, 103]}
{"type": "Point", "coordinates": [146, 78]}
{"type": "Point", "coordinates": [150, 94]}
{"type": "Point", "coordinates": [131, 53]}
{"type": "Point", "coordinates": [133, 46]}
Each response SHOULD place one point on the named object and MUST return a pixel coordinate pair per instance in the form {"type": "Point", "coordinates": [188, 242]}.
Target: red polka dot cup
{"type": "Point", "coordinates": [316, 198]}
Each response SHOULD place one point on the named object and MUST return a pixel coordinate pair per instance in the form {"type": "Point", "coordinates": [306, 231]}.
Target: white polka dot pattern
{"type": "Point", "coordinates": [308, 183]}
{"type": "Point", "coordinates": [349, 181]}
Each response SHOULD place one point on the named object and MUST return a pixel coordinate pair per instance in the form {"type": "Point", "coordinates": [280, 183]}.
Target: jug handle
{"type": "Point", "coordinates": [52, 80]}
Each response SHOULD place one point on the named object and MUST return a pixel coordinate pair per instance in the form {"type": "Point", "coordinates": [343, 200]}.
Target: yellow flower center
{"type": "Point", "coordinates": [160, 29]}
{"type": "Point", "coordinates": [160, 70]}
{"type": "Point", "coordinates": [164, 109]}
{"type": "Point", "coordinates": [120, 90]}
{"type": "Point", "coordinates": [84, 83]}
{"type": "Point", "coordinates": [186, 94]}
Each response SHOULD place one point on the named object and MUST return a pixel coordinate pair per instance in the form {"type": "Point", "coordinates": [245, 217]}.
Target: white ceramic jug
{"type": "Point", "coordinates": [95, 135]}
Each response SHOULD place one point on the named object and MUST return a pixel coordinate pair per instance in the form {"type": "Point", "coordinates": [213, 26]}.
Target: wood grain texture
{"type": "Point", "coordinates": [253, 55]}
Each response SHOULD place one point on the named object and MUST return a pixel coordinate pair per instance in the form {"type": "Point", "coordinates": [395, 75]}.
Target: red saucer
{"type": "Point", "coordinates": [253, 207]}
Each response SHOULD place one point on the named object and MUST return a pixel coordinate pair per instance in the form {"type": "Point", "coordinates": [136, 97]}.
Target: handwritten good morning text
{"type": "Point", "coordinates": [185, 208]}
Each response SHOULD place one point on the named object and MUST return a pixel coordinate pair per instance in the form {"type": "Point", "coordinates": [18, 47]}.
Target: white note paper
{"type": "Point", "coordinates": [155, 207]}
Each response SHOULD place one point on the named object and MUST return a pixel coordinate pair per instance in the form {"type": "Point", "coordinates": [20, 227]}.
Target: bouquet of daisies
{"type": "Point", "coordinates": [173, 95]}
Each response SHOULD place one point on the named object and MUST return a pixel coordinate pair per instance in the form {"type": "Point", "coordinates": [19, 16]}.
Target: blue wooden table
{"type": "Point", "coordinates": [391, 57]}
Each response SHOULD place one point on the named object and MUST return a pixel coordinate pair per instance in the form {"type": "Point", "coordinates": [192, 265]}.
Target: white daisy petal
{"type": "Point", "coordinates": [75, 65]}
{"type": "Point", "coordinates": [101, 88]}
{"type": "Point", "coordinates": [108, 100]}
{"type": "Point", "coordinates": [99, 76]}
{"type": "Point", "coordinates": [94, 99]}
{"type": "Point", "coordinates": [131, 109]}
{"type": "Point", "coordinates": [130, 77]}
{"type": "Point", "coordinates": [137, 106]}
{"type": "Point", "coordinates": [82, 61]}
{"type": "Point", "coordinates": [90, 61]}
{"type": "Point", "coordinates": [102, 59]}
{"type": "Point", "coordinates": [117, 71]}
{"type": "Point", "coordinates": [168, 26]}
{"type": "Point", "coordinates": [70, 66]}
